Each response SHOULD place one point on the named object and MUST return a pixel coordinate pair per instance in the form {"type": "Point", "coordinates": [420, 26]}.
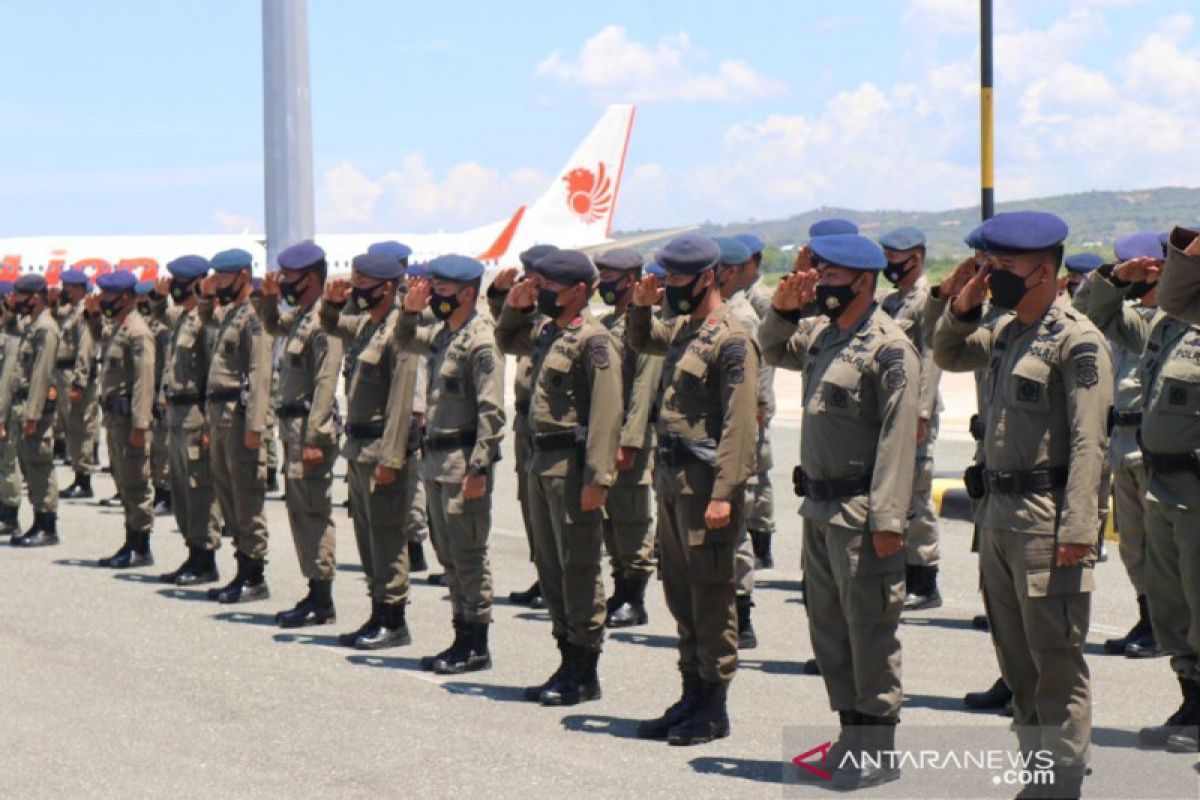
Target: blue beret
{"type": "Point", "coordinates": [733, 251]}
{"type": "Point", "coordinates": [232, 261]}
{"type": "Point", "coordinates": [1082, 263]}
{"type": "Point", "coordinates": [28, 284]}
{"type": "Point", "coordinates": [1023, 232]}
{"type": "Point", "coordinates": [6, 288]}
{"type": "Point", "coordinates": [689, 254]}
{"type": "Point", "coordinates": [461, 269]}
{"type": "Point", "coordinates": [395, 250]}
{"type": "Point", "coordinates": [655, 269]}
{"type": "Point", "coordinates": [188, 267]}
{"type": "Point", "coordinates": [568, 267]}
{"type": "Point", "coordinates": [300, 256]}
{"type": "Point", "coordinates": [535, 254]}
{"type": "Point", "coordinates": [755, 244]}
{"type": "Point", "coordinates": [1138, 245]}
{"type": "Point", "coordinates": [973, 239]}
{"type": "Point", "coordinates": [74, 277]}
{"type": "Point", "coordinates": [117, 281]}
{"type": "Point", "coordinates": [831, 227]}
{"type": "Point", "coordinates": [849, 250]}
{"type": "Point", "coordinates": [622, 258]}
{"type": "Point", "coordinates": [417, 270]}
{"type": "Point", "coordinates": [383, 268]}
{"type": "Point", "coordinates": [144, 287]}
{"type": "Point", "coordinates": [902, 239]}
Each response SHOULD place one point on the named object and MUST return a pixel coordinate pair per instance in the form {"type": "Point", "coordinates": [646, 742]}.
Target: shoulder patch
{"type": "Point", "coordinates": [733, 359]}
{"type": "Point", "coordinates": [887, 356]}
{"type": "Point", "coordinates": [483, 361]}
{"type": "Point", "coordinates": [894, 377]}
{"type": "Point", "coordinates": [1083, 348]}
{"type": "Point", "coordinates": [1087, 373]}
{"type": "Point", "coordinates": [597, 350]}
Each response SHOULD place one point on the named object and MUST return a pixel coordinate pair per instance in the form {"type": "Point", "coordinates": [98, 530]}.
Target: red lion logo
{"type": "Point", "coordinates": [589, 194]}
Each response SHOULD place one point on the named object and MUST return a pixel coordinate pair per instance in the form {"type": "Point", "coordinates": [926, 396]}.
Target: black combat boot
{"type": "Point", "coordinates": [709, 719]}
{"type": "Point", "coordinates": [659, 727]}
{"type": "Point", "coordinates": [1142, 641]}
{"type": "Point", "coordinates": [315, 609]}
{"type": "Point", "coordinates": [60, 451]}
{"type": "Point", "coordinates": [436, 579]}
{"type": "Point", "coordinates": [188, 564]}
{"type": "Point", "coordinates": [579, 681]}
{"type": "Point", "coordinates": [472, 654]}
{"type": "Point", "coordinates": [632, 610]}
{"type": "Point", "coordinates": [873, 743]}
{"type": "Point", "coordinates": [534, 693]}
{"type": "Point", "coordinates": [135, 552]}
{"type": "Point", "coordinates": [416, 557]}
{"type": "Point", "coordinates": [44, 532]}
{"type": "Point", "coordinates": [272, 481]}
{"type": "Point", "coordinates": [994, 699]}
{"type": "Point", "coordinates": [247, 585]}
{"type": "Point", "coordinates": [162, 501]}
{"type": "Point", "coordinates": [1189, 710]}
{"type": "Point", "coordinates": [531, 597]}
{"type": "Point", "coordinates": [9, 525]}
{"type": "Point", "coordinates": [79, 490]}
{"type": "Point", "coordinates": [980, 622]}
{"type": "Point", "coordinates": [349, 639]}
{"type": "Point", "coordinates": [617, 599]}
{"type": "Point", "coordinates": [115, 500]}
{"type": "Point", "coordinates": [760, 542]}
{"type": "Point", "coordinates": [922, 589]}
{"type": "Point", "coordinates": [203, 569]}
{"type": "Point", "coordinates": [848, 722]}
{"type": "Point", "coordinates": [747, 638]}
{"type": "Point", "coordinates": [458, 623]}
{"type": "Point", "coordinates": [392, 630]}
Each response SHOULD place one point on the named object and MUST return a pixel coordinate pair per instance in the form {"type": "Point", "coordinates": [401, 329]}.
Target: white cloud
{"type": "Point", "coordinates": [942, 16]}
{"type": "Point", "coordinates": [230, 222]}
{"type": "Point", "coordinates": [614, 67]}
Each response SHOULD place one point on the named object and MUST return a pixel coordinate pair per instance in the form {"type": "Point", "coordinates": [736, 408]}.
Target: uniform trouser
{"type": "Point", "coordinates": [83, 431]}
{"type": "Point", "coordinates": [744, 563]}
{"type": "Point", "coordinates": [416, 518]}
{"type": "Point", "coordinates": [309, 502]}
{"type": "Point", "coordinates": [192, 500]}
{"type": "Point", "coordinates": [35, 455]}
{"type": "Point", "coordinates": [629, 531]}
{"type": "Point", "coordinates": [853, 600]}
{"type": "Point", "coordinates": [378, 515]}
{"type": "Point", "coordinates": [10, 475]}
{"type": "Point", "coordinates": [1039, 615]}
{"type": "Point", "coordinates": [131, 473]}
{"type": "Point", "coordinates": [160, 459]}
{"type": "Point", "coordinates": [1173, 584]}
{"type": "Point", "coordinates": [1129, 507]}
{"type": "Point", "coordinates": [521, 459]}
{"type": "Point", "coordinates": [921, 530]}
{"type": "Point", "coordinates": [698, 582]}
{"type": "Point", "coordinates": [566, 550]}
{"type": "Point", "coordinates": [270, 441]}
{"type": "Point", "coordinates": [460, 538]}
{"type": "Point", "coordinates": [760, 496]}
{"type": "Point", "coordinates": [240, 479]}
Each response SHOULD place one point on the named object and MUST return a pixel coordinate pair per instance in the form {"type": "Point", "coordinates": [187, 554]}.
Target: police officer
{"type": "Point", "coordinates": [1076, 278]}
{"type": "Point", "coordinates": [760, 495]}
{"type": "Point", "coordinates": [306, 406]}
{"type": "Point", "coordinates": [628, 522]}
{"type": "Point", "coordinates": [10, 476]}
{"type": "Point", "coordinates": [465, 425]}
{"type": "Point", "coordinates": [238, 394]}
{"type": "Point", "coordinates": [160, 467]}
{"type": "Point", "coordinates": [127, 400]}
{"type": "Point", "coordinates": [1050, 387]}
{"type": "Point", "coordinates": [706, 432]}
{"type": "Point", "coordinates": [380, 384]}
{"type": "Point", "coordinates": [497, 293]}
{"type": "Point", "coordinates": [34, 399]}
{"type": "Point", "coordinates": [574, 425]}
{"type": "Point", "coordinates": [185, 375]}
{"type": "Point", "coordinates": [1128, 326]}
{"type": "Point", "coordinates": [79, 419]}
{"type": "Point", "coordinates": [905, 270]}
{"type": "Point", "coordinates": [1171, 449]}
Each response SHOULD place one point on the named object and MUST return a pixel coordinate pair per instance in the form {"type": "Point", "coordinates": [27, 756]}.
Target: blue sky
{"type": "Point", "coordinates": [145, 117]}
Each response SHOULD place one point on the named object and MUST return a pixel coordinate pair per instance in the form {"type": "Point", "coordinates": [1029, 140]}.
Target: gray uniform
{"type": "Point", "coordinates": [10, 476]}
{"type": "Point", "coordinates": [160, 454]}
{"type": "Point", "coordinates": [760, 496]}
{"type": "Point", "coordinates": [35, 398]}
{"type": "Point", "coordinates": [81, 421]}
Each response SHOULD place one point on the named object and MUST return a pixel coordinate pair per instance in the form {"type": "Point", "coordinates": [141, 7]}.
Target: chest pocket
{"type": "Point", "coordinates": [556, 374]}
{"type": "Point", "coordinates": [1180, 392]}
{"type": "Point", "coordinates": [370, 365]}
{"type": "Point", "coordinates": [452, 376]}
{"type": "Point", "coordinates": [690, 373]}
{"type": "Point", "coordinates": [114, 356]}
{"type": "Point", "coordinates": [841, 390]}
{"type": "Point", "coordinates": [295, 352]}
{"type": "Point", "coordinates": [1029, 385]}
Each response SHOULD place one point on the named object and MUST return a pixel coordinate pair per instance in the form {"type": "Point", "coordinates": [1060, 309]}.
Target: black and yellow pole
{"type": "Point", "coordinates": [987, 149]}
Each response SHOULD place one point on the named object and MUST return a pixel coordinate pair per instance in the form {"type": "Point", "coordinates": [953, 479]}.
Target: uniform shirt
{"type": "Point", "coordinates": [464, 392]}
{"type": "Point", "coordinates": [1048, 393]}
{"type": "Point", "coordinates": [241, 359]}
{"type": "Point", "coordinates": [523, 375]}
{"type": "Point", "coordinates": [128, 371]}
{"type": "Point", "coordinates": [576, 387]}
{"type": "Point", "coordinates": [860, 412]}
{"type": "Point", "coordinates": [308, 372]}
{"type": "Point", "coordinates": [35, 374]}
{"type": "Point", "coordinates": [71, 327]}
{"type": "Point", "coordinates": [380, 383]}
{"type": "Point", "coordinates": [908, 310]}
{"type": "Point", "coordinates": [186, 363]}
{"type": "Point", "coordinates": [709, 394]}
{"type": "Point", "coordinates": [761, 298]}
{"type": "Point", "coordinates": [640, 377]}
{"type": "Point", "coordinates": [10, 345]}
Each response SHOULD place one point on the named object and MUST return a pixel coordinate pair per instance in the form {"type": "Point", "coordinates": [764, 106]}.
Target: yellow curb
{"type": "Point", "coordinates": [943, 485]}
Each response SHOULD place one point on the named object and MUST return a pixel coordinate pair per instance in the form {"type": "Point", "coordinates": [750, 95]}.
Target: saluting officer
{"type": "Point", "coordinates": [34, 401]}
{"type": "Point", "coordinates": [185, 377]}
{"type": "Point", "coordinates": [574, 426]}
{"type": "Point", "coordinates": [706, 432]}
{"type": "Point", "coordinates": [127, 399]}
{"type": "Point", "coordinates": [308, 376]}
{"type": "Point", "coordinates": [464, 428]}
{"type": "Point", "coordinates": [160, 465]}
{"type": "Point", "coordinates": [628, 522]}
{"type": "Point", "coordinates": [79, 418]}
{"type": "Point", "coordinates": [1049, 390]}
{"type": "Point", "coordinates": [238, 399]}
{"type": "Point", "coordinates": [497, 293]}
{"type": "Point", "coordinates": [857, 457]}
{"type": "Point", "coordinates": [10, 474]}
{"type": "Point", "coordinates": [380, 384]}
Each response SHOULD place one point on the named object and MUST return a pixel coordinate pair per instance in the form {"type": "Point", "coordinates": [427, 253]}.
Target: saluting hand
{"type": "Point", "coordinates": [796, 290]}
{"type": "Point", "coordinates": [91, 304]}
{"type": "Point", "coordinates": [803, 260]}
{"type": "Point", "coordinates": [647, 292]}
{"type": "Point", "coordinates": [52, 295]}
{"type": "Point", "coordinates": [717, 514]}
{"type": "Point", "coordinates": [956, 280]}
{"type": "Point", "coordinates": [523, 295]}
{"type": "Point", "coordinates": [886, 543]}
{"type": "Point", "coordinates": [208, 286]}
{"type": "Point", "coordinates": [162, 287]}
{"type": "Point", "coordinates": [972, 295]}
{"type": "Point", "coordinates": [416, 299]}
{"type": "Point", "coordinates": [505, 279]}
{"type": "Point", "coordinates": [270, 283]}
{"type": "Point", "coordinates": [1138, 270]}
{"type": "Point", "coordinates": [337, 291]}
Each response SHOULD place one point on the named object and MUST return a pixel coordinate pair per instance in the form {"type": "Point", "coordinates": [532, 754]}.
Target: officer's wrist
{"type": "Point", "coordinates": [792, 315]}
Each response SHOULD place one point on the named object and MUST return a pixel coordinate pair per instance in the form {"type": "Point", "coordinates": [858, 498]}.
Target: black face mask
{"type": "Point", "coordinates": [144, 309]}
{"type": "Point", "coordinates": [1139, 290]}
{"type": "Point", "coordinates": [611, 291]}
{"type": "Point", "coordinates": [1072, 288]}
{"type": "Point", "coordinates": [682, 299]}
{"type": "Point", "coordinates": [832, 301]}
{"type": "Point", "coordinates": [1007, 288]}
{"type": "Point", "coordinates": [229, 294]}
{"type": "Point", "coordinates": [290, 292]}
{"type": "Point", "coordinates": [895, 272]}
{"type": "Point", "coordinates": [547, 303]}
{"type": "Point", "coordinates": [25, 308]}
{"type": "Point", "coordinates": [366, 299]}
{"type": "Point", "coordinates": [181, 289]}
{"type": "Point", "coordinates": [443, 305]}
{"type": "Point", "coordinates": [110, 308]}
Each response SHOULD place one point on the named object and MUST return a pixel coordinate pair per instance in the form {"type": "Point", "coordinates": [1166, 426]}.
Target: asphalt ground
{"type": "Point", "coordinates": [117, 686]}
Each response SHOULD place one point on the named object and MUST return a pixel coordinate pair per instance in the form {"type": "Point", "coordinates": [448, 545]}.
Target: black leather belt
{"type": "Point", "coordinates": [184, 398]}
{"type": "Point", "coordinates": [830, 488]}
{"type": "Point", "coordinates": [365, 432]}
{"type": "Point", "coordinates": [224, 395]}
{"type": "Point", "coordinates": [558, 440]}
{"type": "Point", "coordinates": [299, 408]}
{"type": "Point", "coordinates": [64, 363]}
{"type": "Point", "coordinates": [450, 441]}
{"type": "Point", "coordinates": [1123, 419]}
{"type": "Point", "coordinates": [121, 406]}
{"type": "Point", "coordinates": [1172, 462]}
{"type": "Point", "coordinates": [676, 451]}
{"type": "Point", "coordinates": [1021, 481]}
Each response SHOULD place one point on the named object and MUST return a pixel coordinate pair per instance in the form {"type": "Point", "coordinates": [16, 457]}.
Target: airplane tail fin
{"type": "Point", "coordinates": [577, 209]}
